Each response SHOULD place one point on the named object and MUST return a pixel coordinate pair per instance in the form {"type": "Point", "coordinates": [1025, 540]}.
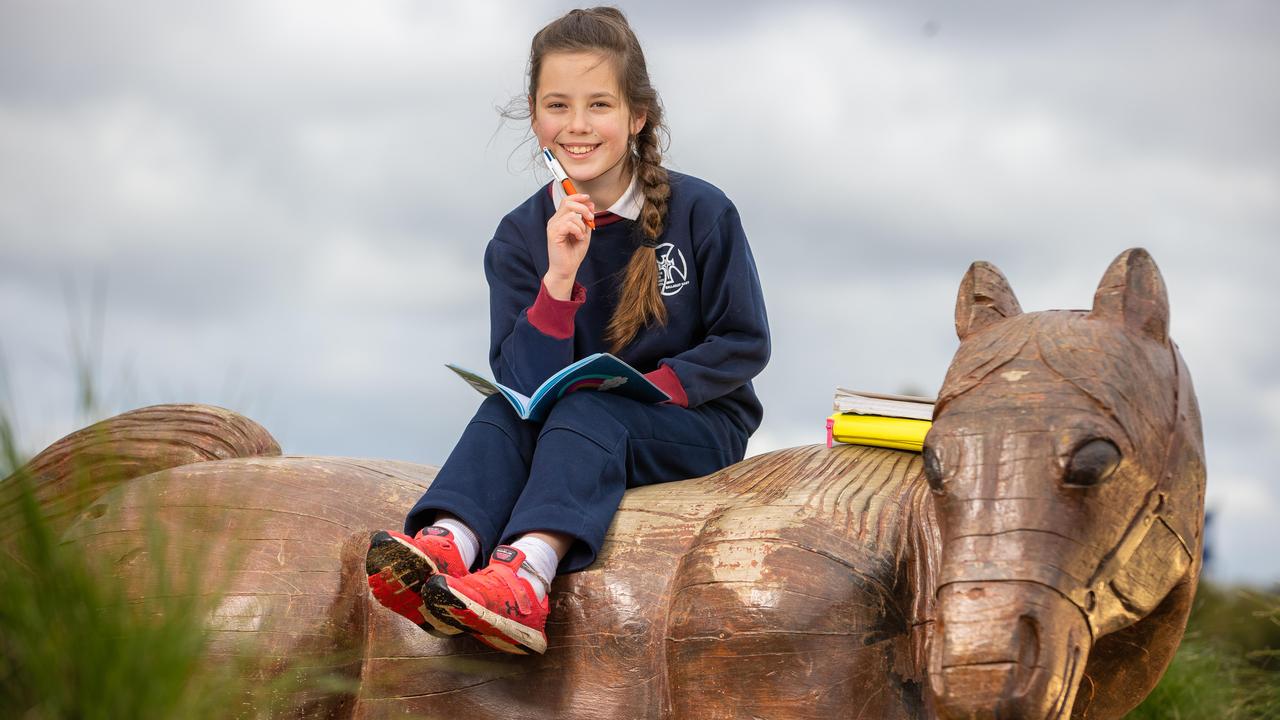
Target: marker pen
{"type": "Point", "coordinates": [554, 166]}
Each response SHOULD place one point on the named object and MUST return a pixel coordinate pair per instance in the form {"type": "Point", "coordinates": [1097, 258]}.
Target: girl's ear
{"type": "Point", "coordinates": [637, 123]}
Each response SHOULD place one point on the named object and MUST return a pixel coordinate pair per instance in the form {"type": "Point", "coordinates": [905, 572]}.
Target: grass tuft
{"type": "Point", "coordinates": [73, 644]}
{"type": "Point", "coordinates": [1228, 666]}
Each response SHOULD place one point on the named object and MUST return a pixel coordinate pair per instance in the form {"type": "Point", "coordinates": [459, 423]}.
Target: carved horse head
{"type": "Point", "coordinates": [1066, 467]}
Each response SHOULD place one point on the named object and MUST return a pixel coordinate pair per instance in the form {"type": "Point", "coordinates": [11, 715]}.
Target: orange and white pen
{"type": "Point", "coordinates": [563, 178]}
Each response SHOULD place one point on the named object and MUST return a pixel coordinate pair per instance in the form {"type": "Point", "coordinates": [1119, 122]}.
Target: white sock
{"type": "Point", "coordinates": [540, 562]}
{"type": "Point", "coordinates": [463, 537]}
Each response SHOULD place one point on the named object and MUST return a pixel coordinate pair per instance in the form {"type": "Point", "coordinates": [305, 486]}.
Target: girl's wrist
{"type": "Point", "coordinates": [558, 286]}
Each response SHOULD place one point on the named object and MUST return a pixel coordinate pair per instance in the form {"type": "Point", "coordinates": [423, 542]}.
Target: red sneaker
{"type": "Point", "coordinates": [399, 566]}
{"type": "Point", "coordinates": [495, 604]}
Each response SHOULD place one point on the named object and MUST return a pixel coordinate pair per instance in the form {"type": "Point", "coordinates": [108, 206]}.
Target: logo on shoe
{"type": "Point", "coordinates": [433, 530]}
{"type": "Point", "coordinates": [503, 553]}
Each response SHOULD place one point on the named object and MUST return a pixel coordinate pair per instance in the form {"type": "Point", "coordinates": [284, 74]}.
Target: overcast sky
{"type": "Point", "coordinates": [281, 207]}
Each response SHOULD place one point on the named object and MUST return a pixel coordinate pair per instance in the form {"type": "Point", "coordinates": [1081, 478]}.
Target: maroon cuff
{"type": "Point", "coordinates": [555, 317]}
{"type": "Point", "coordinates": [667, 381]}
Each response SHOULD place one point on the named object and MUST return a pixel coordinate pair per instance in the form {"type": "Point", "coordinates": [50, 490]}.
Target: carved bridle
{"type": "Point", "coordinates": [1140, 524]}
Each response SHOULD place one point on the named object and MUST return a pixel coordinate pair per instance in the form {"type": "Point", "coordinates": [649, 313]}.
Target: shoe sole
{"type": "Point", "coordinates": [498, 632]}
{"type": "Point", "coordinates": [394, 560]}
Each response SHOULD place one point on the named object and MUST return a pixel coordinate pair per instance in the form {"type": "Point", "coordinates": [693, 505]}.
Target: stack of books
{"type": "Point", "coordinates": [892, 421]}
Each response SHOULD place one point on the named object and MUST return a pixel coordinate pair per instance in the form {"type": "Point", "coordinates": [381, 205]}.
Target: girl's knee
{"type": "Point", "coordinates": [586, 404]}
{"type": "Point", "coordinates": [497, 415]}
{"type": "Point", "coordinates": [495, 410]}
{"type": "Point", "coordinates": [585, 408]}
{"type": "Point", "coordinates": [591, 414]}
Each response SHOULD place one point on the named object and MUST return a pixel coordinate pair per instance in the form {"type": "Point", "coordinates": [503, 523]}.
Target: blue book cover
{"type": "Point", "coordinates": [601, 372]}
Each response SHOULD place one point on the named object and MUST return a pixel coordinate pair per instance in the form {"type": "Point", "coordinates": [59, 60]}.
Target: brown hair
{"type": "Point", "coordinates": [605, 30]}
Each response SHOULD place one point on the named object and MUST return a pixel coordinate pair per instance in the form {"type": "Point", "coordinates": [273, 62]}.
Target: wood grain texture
{"type": "Point", "coordinates": [280, 540]}
{"type": "Point", "coordinates": [1008, 572]}
{"type": "Point", "coordinates": [73, 472]}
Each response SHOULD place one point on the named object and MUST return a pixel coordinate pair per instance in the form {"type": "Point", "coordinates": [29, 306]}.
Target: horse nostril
{"type": "Point", "coordinates": [1026, 639]}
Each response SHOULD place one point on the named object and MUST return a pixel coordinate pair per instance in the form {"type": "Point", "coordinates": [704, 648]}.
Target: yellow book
{"type": "Point", "coordinates": [877, 430]}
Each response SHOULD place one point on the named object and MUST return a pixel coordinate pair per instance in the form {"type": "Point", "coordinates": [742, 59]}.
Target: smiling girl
{"type": "Point", "coordinates": [665, 280]}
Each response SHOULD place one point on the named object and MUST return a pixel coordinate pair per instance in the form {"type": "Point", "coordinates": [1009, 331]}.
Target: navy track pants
{"type": "Point", "coordinates": [508, 476]}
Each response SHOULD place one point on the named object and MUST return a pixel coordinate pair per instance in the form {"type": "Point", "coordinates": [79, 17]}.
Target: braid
{"type": "Point", "coordinates": [654, 183]}
{"type": "Point", "coordinates": [640, 303]}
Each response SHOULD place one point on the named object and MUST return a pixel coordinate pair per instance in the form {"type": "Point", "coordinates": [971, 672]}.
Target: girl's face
{"type": "Point", "coordinates": [579, 113]}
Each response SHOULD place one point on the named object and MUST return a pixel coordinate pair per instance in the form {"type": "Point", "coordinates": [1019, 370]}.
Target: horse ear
{"type": "Point", "coordinates": [1132, 292]}
{"type": "Point", "coordinates": [984, 298]}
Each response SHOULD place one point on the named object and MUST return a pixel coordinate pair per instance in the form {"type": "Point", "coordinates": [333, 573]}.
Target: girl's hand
{"type": "Point", "coordinates": [567, 240]}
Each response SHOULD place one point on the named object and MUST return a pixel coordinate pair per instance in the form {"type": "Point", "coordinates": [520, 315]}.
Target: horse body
{"type": "Point", "coordinates": [984, 580]}
{"type": "Point", "coordinates": [782, 587]}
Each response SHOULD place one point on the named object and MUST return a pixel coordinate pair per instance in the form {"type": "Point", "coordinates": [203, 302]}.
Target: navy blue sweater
{"type": "Point", "coordinates": [716, 338]}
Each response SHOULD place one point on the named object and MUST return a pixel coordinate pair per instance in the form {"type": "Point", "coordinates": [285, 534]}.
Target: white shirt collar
{"type": "Point", "coordinates": [627, 206]}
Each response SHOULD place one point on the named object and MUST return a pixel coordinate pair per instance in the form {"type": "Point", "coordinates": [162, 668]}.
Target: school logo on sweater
{"type": "Point", "coordinates": [673, 273]}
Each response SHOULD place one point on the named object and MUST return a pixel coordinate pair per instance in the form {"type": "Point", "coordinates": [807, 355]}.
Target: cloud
{"type": "Point", "coordinates": [288, 203]}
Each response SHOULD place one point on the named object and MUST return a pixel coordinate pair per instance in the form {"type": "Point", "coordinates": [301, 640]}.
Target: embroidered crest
{"type": "Point", "coordinates": [673, 273]}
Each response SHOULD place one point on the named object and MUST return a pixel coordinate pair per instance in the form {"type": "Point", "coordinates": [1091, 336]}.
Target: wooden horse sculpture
{"type": "Point", "coordinates": [1066, 467]}
{"type": "Point", "coordinates": [1044, 569]}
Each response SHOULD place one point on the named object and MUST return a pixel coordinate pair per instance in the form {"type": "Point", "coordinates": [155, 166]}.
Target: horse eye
{"type": "Point", "coordinates": [933, 469]}
{"type": "Point", "coordinates": [1092, 463]}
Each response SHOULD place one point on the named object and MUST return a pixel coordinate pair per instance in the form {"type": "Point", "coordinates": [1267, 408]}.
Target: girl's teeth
{"type": "Point", "coordinates": [579, 149]}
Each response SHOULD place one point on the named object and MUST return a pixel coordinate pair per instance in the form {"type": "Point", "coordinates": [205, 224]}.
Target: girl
{"type": "Point", "coordinates": [662, 278]}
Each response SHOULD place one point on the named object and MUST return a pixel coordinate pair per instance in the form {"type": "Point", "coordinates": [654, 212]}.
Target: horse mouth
{"type": "Point", "coordinates": [1009, 650]}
